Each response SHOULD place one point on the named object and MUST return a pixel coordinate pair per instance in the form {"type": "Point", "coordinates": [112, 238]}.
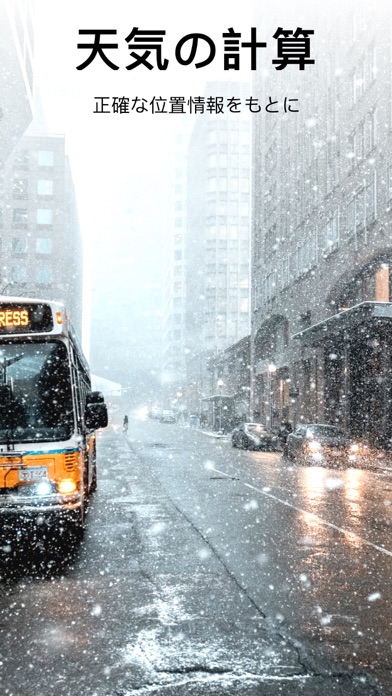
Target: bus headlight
{"type": "Point", "coordinates": [44, 488]}
{"type": "Point", "coordinates": [66, 486]}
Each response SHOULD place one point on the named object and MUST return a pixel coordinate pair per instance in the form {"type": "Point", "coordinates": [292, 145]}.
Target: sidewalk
{"type": "Point", "coordinates": [211, 433]}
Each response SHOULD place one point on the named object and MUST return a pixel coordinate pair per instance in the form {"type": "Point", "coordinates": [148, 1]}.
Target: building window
{"type": "Point", "coordinates": [330, 234]}
{"type": "Point", "coordinates": [43, 245]}
{"type": "Point", "coordinates": [370, 201]}
{"type": "Point", "coordinates": [19, 274]}
{"type": "Point", "coordinates": [20, 217]}
{"type": "Point", "coordinates": [45, 187]}
{"type": "Point", "coordinates": [45, 158]}
{"type": "Point", "coordinates": [44, 216]}
{"type": "Point", "coordinates": [43, 275]}
{"type": "Point", "coordinates": [244, 139]}
{"type": "Point", "coordinates": [245, 185]}
{"type": "Point", "coordinates": [360, 208]}
{"type": "Point", "coordinates": [371, 131]}
{"type": "Point", "coordinates": [19, 245]}
{"type": "Point", "coordinates": [21, 159]}
{"type": "Point", "coordinates": [371, 65]}
{"type": "Point", "coordinates": [350, 217]}
{"type": "Point", "coordinates": [244, 209]}
{"type": "Point", "coordinates": [222, 183]}
{"type": "Point", "coordinates": [20, 188]}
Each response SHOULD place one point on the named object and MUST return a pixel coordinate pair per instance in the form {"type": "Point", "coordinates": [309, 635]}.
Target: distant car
{"type": "Point", "coordinates": [254, 436]}
{"type": "Point", "coordinates": [167, 416]}
{"type": "Point", "coordinates": [318, 443]}
{"type": "Point", "coordinates": [155, 412]}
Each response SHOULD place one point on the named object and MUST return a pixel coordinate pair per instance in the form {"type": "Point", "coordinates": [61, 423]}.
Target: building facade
{"type": "Point", "coordinates": [174, 279]}
{"type": "Point", "coordinates": [322, 231]}
{"type": "Point", "coordinates": [41, 249]}
{"type": "Point", "coordinates": [16, 72]}
{"type": "Point", "coordinates": [229, 388]}
{"type": "Point", "coordinates": [217, 243]}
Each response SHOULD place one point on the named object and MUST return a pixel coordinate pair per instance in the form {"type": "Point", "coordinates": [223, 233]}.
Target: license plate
{"type": "Point", "coordinates": [33, 473]}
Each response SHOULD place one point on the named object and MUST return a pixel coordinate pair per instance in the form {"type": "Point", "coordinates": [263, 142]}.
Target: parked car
{"type": "Point", "coordinates": [254, 436]}
{"type": "Point", "coordinates": [167, 416]}
{"type": "Point", "coordinates": [317, 443]}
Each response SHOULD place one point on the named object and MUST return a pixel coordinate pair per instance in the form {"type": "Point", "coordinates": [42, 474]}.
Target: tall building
{"type": "Point", "coordinates": [217, 245]}
{"type": "Point", "coordinates": [16, 72]}
{"type": "Point", "coordinates": [41, 249]}
{"type": "Point", "coordinates": [322, 229]}
{"type": "Point", "coordinates": [174, 275]}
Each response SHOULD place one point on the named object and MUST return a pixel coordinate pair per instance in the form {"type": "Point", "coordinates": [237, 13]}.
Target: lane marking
{"type": "Point", "coordinates": [346, 532]}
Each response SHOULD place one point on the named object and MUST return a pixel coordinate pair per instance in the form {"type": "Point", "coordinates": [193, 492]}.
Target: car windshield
{"type": "Point", "coordinates": [35, 392]}
{"type": "Point", "coordinates": [325, 431]}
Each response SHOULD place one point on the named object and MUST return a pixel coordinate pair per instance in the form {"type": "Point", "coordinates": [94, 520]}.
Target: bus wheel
{"type": "Point", "coordinates": [77, 526]}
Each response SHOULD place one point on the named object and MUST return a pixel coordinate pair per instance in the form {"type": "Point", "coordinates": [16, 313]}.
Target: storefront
{"type": "Point", "coordinates": [356, 345]}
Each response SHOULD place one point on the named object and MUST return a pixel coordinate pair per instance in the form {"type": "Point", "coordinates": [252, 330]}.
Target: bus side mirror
{"type": "Point", "coordinates": [96, 416]}
{"type": "Point", "coordinates": [95, 397]}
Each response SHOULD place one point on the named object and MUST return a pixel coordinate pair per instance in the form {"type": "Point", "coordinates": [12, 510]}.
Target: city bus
{"type": "Point", "coordinates": [48, 417]}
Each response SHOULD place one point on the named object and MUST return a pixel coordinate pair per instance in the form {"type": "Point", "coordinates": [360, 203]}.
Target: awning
{"type": "Point", "coordinates": [348, 324]}
{"type": "Point", "coordinates": [217, 397]}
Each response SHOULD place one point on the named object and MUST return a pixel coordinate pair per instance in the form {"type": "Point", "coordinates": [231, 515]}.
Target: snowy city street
{"type": "Point", "coordinates": [209, 570]}
{"type": "Point", "coordinates": [196, 348]}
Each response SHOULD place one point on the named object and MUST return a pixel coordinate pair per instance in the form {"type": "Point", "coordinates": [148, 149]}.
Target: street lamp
{"type": "Point", "coordinates": [220, 383]}
{"type": "Point", "coordinates": [271, 371]}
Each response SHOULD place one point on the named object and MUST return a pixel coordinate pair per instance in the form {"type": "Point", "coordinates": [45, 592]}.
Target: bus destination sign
{"type": "Point", "coordinates": [25, 318]}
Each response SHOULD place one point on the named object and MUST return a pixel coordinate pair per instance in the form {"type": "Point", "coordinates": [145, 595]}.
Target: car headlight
{"type": "Point", "coordinates": [313, 446]}
{"type": "Point", "coordinates": [354, 447]}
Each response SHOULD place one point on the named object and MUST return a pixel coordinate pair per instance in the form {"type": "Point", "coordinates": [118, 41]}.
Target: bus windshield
{"type": "Point", "coordinates": [35, 392]}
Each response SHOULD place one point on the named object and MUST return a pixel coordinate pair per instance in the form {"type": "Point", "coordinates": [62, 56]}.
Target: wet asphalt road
{"type": "Point", "coordinates": [207, 570]}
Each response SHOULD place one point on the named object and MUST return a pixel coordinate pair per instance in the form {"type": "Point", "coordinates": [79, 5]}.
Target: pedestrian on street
{"type": "Point", "coordinates": [285, 429]}
{"type": "Point", "coordinates": [125, 424]}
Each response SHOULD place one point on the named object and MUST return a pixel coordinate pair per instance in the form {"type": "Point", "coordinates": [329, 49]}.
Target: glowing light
{"type": "Point", "coordinates": [67, 486]}
{"type": "Point", "coordinates": [44, 488]}
{"type": "Point", "coordinates": [313, 446]}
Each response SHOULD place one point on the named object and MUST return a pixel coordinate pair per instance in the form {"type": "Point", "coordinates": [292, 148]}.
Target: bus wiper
{"type": "Point", "coordinates": [9, 404]}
